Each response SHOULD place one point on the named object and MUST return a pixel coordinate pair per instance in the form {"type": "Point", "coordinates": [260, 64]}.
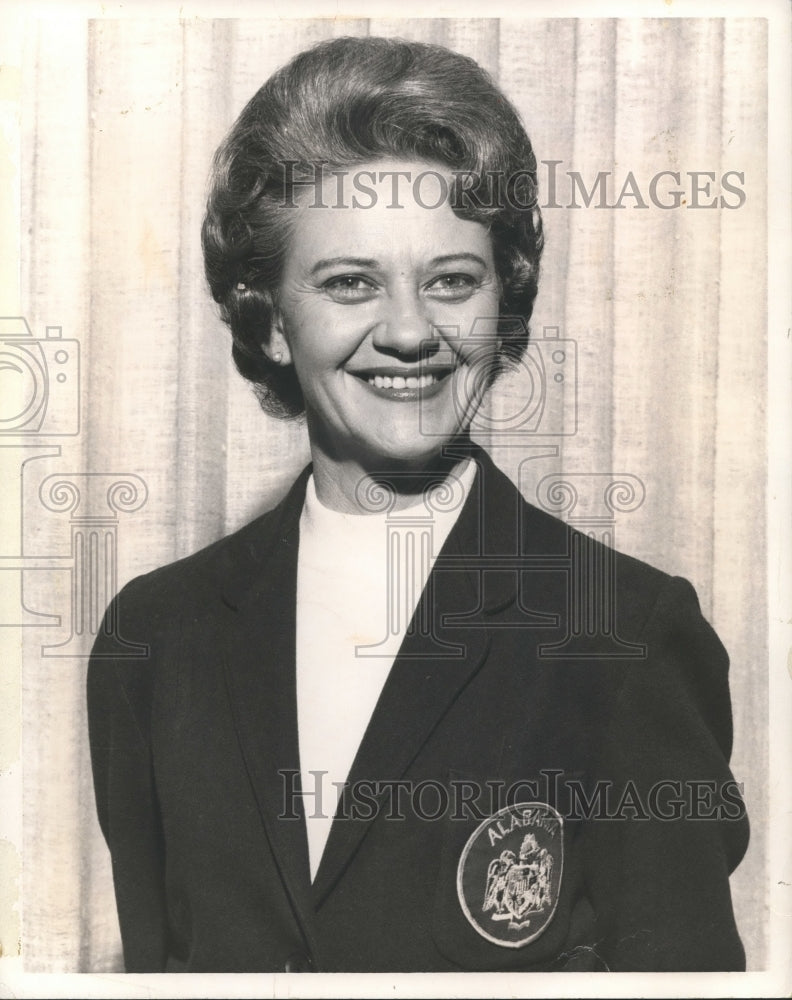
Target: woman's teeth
{"type": "Point", "coordinates": [400, 382]}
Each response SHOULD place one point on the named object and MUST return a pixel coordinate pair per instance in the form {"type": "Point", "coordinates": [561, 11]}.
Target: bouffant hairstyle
{"type": "Point", "coordinates": [345, 102]}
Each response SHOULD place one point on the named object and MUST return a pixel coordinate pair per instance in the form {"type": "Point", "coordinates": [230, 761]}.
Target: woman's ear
{"type": "Point", "coordinates": [277, 346]}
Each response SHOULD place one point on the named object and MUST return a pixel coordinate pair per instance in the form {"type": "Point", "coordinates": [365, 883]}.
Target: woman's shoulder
{"type": "Point", "coordinates": [621, 604]}
{"type": "Point", "coordinates": [513, 520]}
{"type": "Point", "coordinates": [612, 608]}
{"type": "Point", "coordinates": [213, 568]}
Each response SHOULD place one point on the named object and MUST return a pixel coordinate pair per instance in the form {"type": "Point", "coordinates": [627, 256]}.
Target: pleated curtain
{"type": "Point", "coordinates": [659, 313]}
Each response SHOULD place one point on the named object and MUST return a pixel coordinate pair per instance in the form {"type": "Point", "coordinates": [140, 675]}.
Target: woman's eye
{"type": "Point", "coordinates": [349, 288]}
{"type": "Point", "coordinates": [452, 286]}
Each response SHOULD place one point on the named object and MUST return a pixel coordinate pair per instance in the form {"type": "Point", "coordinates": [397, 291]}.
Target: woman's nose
{"type": "Point", "coordinates": [405, 327]}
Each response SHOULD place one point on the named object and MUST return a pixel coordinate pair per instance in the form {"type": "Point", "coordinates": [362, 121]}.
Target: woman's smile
{"type": "Point", "coordinates": [406, 385]}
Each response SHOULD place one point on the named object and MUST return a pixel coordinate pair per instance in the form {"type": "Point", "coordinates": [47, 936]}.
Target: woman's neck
{"type": "Point", "coordinates": [353, 487]}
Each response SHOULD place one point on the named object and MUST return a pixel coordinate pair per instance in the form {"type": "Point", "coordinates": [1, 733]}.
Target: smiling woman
{"type": "Point", "coordinates": [381, 728]}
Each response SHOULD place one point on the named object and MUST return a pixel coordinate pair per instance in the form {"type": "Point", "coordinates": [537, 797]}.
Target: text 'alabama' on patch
{"type": "Point", "coordinates": [509, 873]}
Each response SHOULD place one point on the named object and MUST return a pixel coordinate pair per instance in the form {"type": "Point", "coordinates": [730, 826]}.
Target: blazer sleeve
{"type": "Point", "coordinates": [119, 690]}
{"type": "Point", "coordinates": [660, 868]}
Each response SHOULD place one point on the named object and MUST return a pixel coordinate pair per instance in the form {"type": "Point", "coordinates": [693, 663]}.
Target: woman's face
{"type": "Point", "coordinates": [389, 315]}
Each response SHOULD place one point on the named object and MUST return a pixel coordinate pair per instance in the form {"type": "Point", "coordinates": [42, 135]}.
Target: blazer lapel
{"type": "Point", "coordinates": [434, 664]}
{"type": "Point", "coordinates": [260, 676]}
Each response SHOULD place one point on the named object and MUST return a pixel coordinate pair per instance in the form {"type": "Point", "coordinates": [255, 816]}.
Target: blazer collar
{"type": "Point", "coordinates": [245, 569]}
{"type": "Point", "coordinates": [494, 524]}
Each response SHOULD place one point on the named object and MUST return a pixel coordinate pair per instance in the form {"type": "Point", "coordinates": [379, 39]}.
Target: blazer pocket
{"type": "Point", "coordinates": [520, 903]}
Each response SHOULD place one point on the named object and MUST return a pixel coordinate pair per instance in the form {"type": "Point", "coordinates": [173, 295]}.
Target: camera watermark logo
{"type": "Point", "coordinates": [40, 380]}
{"type": "Point", "coordinates": [40, 401]}
{"type": "Point", "coordinates": [547, 373]}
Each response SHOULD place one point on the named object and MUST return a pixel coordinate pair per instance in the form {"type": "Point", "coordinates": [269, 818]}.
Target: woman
{"type": "Point", "coordinates": [362, 740]}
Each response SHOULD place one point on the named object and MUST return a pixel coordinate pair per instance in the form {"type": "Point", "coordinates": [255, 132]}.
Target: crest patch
{"type": "Point", "coordinates": [509, 873]}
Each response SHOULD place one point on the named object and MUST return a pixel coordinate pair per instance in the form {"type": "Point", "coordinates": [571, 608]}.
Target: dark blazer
{"type": "Point", "coordinates": [507, 675]}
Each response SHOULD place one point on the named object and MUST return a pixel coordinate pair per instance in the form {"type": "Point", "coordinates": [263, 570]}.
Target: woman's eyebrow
{"type": "Point", "coordinates": [371, 263]}
{"type": "Point", "coordinates": [368, 262]}
{"type": "Point", "coordinates": [451, 258]}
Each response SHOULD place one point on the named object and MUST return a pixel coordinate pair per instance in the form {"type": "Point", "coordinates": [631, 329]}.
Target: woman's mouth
{"type": "Point", "coordinates": [401, 381]}
{"type": "Point", "coordinates": [407, 387]}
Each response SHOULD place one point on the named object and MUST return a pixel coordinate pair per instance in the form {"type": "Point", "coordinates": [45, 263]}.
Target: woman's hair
{"type": "Point", "coordinates": [348, 101]}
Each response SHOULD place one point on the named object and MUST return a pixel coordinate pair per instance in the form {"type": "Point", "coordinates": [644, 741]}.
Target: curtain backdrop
{"type": "Point", "coordinates": [660, 315]}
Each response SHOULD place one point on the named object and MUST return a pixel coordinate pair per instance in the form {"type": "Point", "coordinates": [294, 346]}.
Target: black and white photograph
{"type": "Point", "coordinates": [395, 427]}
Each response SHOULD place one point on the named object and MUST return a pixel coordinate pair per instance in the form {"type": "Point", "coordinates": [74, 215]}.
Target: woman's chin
{"type": "Point", "coordinates": [415, 451]}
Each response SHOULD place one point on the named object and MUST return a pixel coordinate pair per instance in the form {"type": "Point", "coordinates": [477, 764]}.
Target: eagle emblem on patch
{"type": "Point", "coordinates": [509, 873]}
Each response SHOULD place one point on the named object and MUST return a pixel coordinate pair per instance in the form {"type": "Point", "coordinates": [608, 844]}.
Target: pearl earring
{"type": "Point", "coordinates": [277, 357]}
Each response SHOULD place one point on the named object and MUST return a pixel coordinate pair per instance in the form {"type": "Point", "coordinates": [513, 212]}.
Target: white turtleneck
{"type": "Point", "coordinates": [345, 585]}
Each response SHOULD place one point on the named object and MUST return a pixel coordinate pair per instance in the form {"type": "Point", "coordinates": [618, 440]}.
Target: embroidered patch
{"type": "Point", "coordinates": [509, 873]}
